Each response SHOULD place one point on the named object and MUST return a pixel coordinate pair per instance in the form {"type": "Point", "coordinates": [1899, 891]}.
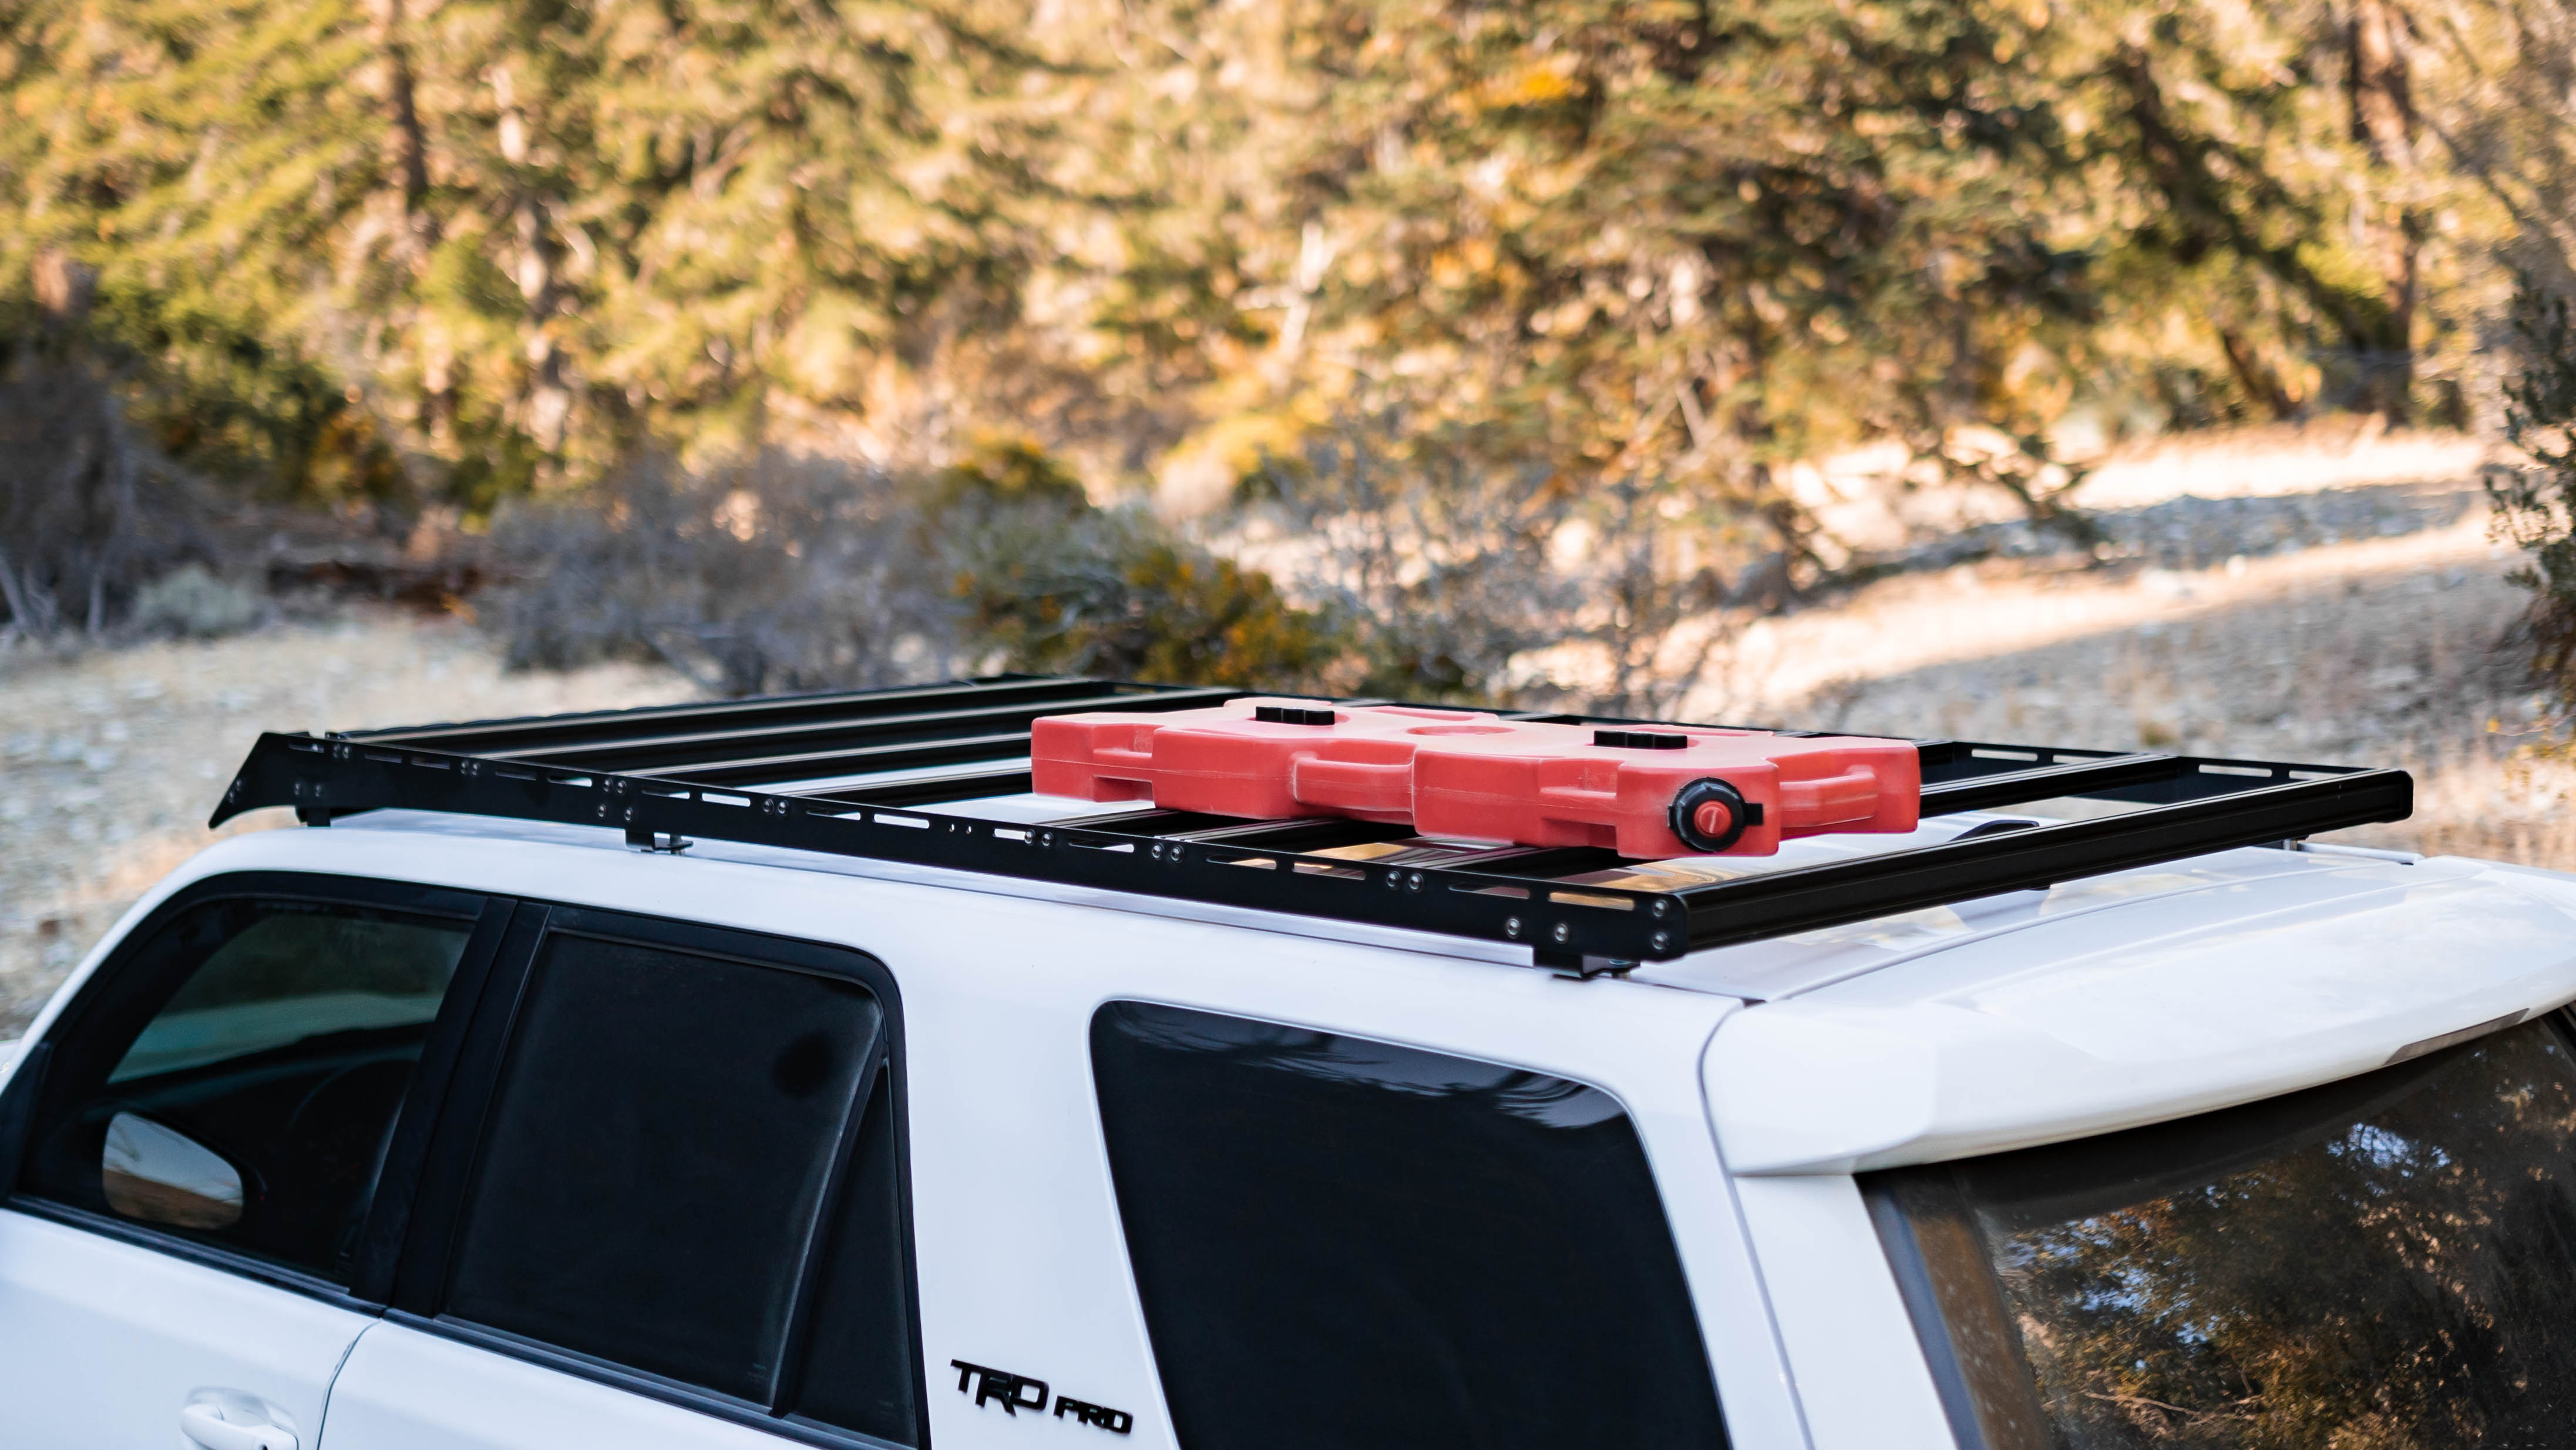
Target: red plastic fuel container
{"type": "Point", "coordinates": [1643, 791]}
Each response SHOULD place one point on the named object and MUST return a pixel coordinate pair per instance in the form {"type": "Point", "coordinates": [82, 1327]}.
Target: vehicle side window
{"type": "Point", "coordinates": [1343, 1242]}
{"type": "Point", "coordinates": [678, 1164]}
{"type": "Point", "coordinates": [242, 1085]}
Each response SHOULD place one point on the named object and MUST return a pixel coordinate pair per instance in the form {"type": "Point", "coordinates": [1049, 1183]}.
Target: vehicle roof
{"type": "Point", "coordinates": [2246, 883]}
{"type": "Point", "coordinates": [2036, 1016]}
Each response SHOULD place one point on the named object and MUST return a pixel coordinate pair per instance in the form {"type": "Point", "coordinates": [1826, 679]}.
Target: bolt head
{"type": "Point", "coordinates": [1563, 932]}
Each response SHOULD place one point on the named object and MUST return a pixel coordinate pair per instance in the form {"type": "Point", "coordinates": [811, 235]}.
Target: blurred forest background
{"type": "Point", "coordinates": [1387, 344]}
{"type": "Point", "coordinates": [2050, 367]}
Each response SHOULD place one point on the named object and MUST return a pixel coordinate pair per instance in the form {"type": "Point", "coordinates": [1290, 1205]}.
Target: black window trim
{"type": "Point", "coordinates": [454, 1153]}
{"type": "Point", "coordinates": [374, 1263]}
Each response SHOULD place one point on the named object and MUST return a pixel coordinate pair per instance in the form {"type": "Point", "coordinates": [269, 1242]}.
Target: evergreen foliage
{"type": "Point", "coordinates": [2535, 505]}
{"type": "Point", "coordinates": [458, 248]}
{"type": "Point", "coordinates": [1478, 291]}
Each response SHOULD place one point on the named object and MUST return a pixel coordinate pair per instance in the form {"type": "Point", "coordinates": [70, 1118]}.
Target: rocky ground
{"type": "Point", "coordinates": [110, 762]}
{"type": "Point", "coordinates": [2357, 622]}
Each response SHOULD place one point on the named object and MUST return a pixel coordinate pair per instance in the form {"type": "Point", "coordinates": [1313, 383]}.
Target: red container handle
{"type": "Point", "coordinates": [1849, 796]}
{"type": "Point", "coordinates": [1350, 785]}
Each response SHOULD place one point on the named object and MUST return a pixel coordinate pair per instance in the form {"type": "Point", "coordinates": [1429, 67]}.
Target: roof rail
{"type": "Point", "coordinates": [861, 774]}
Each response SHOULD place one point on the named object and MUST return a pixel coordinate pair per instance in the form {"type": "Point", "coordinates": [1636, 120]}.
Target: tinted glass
{"type": "Point", "coordinates": [858, 1359]}
{"type": "Point", "coordinates": [652, 1168]}
{"type": "Point", "coordinates": [2389, 1261]}
{"type": "Point", "coordinates": [1341, 1243]}
{"type": "Point", "coordinates": [251, 1101]}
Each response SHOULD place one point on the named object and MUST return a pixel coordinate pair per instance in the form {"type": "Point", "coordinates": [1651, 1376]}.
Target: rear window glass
{"type": "Point", "coordinates": [658, 1156]}
{"type": "Point", "coordinates": [1340, 1242]}
{"type": "Point", "coordinates": [2389, 1261]}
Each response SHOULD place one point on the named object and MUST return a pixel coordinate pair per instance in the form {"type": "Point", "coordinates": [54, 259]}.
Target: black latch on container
{"type": "Point", "coordinates": [1291, 715]}
{"type": "Point", "coordinates": [1639, 739]}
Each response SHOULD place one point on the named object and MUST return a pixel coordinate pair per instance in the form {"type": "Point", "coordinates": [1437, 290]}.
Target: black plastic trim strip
{"type": "Point", "coordinates": [429, 1235]}
{"type": "Point", "coordinates": [264, 1271]}
{"type": "Point", "coordinates": [380, 1238]}
{"type": "Point", "coordinates": [1914, 1286]}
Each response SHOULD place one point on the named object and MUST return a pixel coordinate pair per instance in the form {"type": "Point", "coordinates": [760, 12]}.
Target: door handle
{"type": "Point", "coordinates": [205, 1424]}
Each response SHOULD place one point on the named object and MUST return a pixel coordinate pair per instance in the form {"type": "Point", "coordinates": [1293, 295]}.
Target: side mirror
{"type": "Point", "coordinates": [159, 1175]}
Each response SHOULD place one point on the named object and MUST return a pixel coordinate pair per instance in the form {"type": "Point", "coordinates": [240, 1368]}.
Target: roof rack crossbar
{"type": "Point", "coordinates": [540, 731]}
{"type": "Point", "coordinates": [729, 772]}
{"type": "Point", "coordinates": [667, 752]}
{"type": "Point", "coordinates": [931, 790]}
{"type": "Point", "coordinates": [857, 760]}
{"type": "Point", "coordinates": [2047, 782]}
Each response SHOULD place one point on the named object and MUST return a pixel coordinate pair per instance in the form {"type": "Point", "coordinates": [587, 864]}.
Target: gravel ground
{"type": "Point", "coordinates": [2356, 625]}
{"type": "Point", "coordinates": [2389, 652]}
{"type": "Point", "coordinates": [110, 762]}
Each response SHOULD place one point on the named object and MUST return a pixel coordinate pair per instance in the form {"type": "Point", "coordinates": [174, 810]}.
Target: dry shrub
{"type": "Point", "coordinates": [772, 573]}
{"type": "Point", "coordinates": [2535, 505]}
{"type": "Point", "coordinates": [780, 572]}
{"type": "Point", "coordinates": [1461, 575]}
{"type": "Point", "coordinates": [89, 509]}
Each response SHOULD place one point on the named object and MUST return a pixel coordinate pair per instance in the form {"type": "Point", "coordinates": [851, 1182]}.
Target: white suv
{"type": "Point", "coordinates": [579, 1087]}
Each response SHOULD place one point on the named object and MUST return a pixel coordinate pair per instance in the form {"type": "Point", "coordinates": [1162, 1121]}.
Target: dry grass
{"type": "Point", "coordinates": [110, 763]}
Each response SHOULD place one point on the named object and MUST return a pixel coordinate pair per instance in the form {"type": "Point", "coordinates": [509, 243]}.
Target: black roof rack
{"type": "Point", "coordinates": [861, 774]}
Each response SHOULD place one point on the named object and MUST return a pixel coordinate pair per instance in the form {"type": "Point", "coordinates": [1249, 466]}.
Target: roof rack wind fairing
{"type": "Point", "coordinates": [863, 774]}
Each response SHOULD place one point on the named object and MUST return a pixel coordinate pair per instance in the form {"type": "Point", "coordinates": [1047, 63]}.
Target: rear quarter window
{"type": "Point", "coordinates": [1343, 1242]}
{"type": "Point", "coordinates": [2386, 1261]}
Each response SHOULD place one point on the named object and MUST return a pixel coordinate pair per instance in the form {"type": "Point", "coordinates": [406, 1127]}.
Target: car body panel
{"type": "Point", "coordinates": [407, 1389]}
{"type": "Point", "coordinates": [2116, 1019]}
{"type": "Point", "coordinates": [1759, 1077]}
{"type": "Point", "coordinates": [103, 1340]}
{"type": "Point", "coordinates": [1020, 1258]}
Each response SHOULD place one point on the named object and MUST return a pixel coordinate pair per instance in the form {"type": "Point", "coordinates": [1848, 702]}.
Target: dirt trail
{"type": "Point", "coordinates": [110, 763]}
{"type": "Point", "coordinates": [2324, 648]}
{"type": "Point", "coordinates": [2385, 652]}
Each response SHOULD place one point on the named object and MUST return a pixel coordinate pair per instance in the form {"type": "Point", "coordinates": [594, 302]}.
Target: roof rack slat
{"type": "Point", "coordinates": [931, 790]}
{"type": "Point", "coordinates": [486, 736]}
{"type": "Point", "coordinates": [2016, 787]}
{"type": "Point", "coordinates": [906, 755]}
{"type": "Point", "coordinates": [667, 752]}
